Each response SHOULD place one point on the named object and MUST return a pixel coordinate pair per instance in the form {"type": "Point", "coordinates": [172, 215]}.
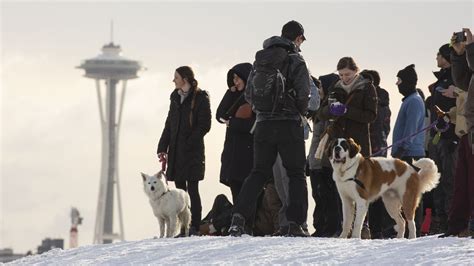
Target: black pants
{"type": "Point", "coordinates": [192, 187]}
{"type": "Point", "coordinates": [419, 209]}
{"type": "Point", "coordinates": [286, 138]}
{"type": "Point", "coordinates": [327, 216]}
{"type": "Point", "coordinates": [235, 187]}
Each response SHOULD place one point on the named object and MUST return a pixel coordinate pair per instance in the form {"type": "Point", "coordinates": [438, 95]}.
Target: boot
{"type": "Point", "coordinates": [365, 233]}
{"type": "Point", "coordinates": [435, 226]}
{"type": "Point", "coordinates": [281, 231]}
{"type": "Point", "coordinates": [295, 230]}
{"type": "Point", "coordinates": [237, 227]}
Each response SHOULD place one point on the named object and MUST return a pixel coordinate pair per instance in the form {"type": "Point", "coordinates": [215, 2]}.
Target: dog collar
{"type": "Point", "coordinates": [168, 190]}
{"type": "Point", "coordinates": [357, 181]}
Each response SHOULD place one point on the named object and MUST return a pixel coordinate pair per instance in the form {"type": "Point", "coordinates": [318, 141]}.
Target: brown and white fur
{"type": "Point", "coordinates": [399, 185]}
{"type": "Point", "coordinates": [170, 206]}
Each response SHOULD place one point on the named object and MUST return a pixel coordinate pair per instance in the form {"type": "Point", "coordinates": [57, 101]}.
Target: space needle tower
{"type": "Point", "coordinates": [111, 69]}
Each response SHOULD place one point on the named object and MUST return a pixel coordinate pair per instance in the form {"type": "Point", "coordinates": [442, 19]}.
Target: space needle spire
{"type": "Point", "coordinates": [109, 68]}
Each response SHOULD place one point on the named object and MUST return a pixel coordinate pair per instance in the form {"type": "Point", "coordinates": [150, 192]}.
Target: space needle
{"type": "Point", "coordinates": [111, 68]}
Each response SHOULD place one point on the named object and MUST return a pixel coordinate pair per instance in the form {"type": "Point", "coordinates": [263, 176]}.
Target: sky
{"type": "Point", "coordinates": [50, 129]}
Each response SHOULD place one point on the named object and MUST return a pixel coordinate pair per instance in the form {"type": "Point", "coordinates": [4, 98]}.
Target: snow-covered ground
{"type": "Point", "coordinates": [266, 250]}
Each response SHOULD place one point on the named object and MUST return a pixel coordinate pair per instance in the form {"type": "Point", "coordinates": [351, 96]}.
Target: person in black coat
{"type": "Point", "coordinates": [236, 113]}
{"type": "Point", "coordinates": [182, 142]}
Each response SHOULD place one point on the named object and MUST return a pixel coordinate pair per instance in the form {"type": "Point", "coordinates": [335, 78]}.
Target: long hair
{"type": "Point", "coordinates": [186, 72]}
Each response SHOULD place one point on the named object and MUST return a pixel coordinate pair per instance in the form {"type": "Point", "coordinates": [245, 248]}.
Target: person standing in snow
{"type": "Point", "coordinates": [279, 172]}
{"type": "Point", "coordinates": [181, 144]}
{"type": "Point", "coordinates": [327, 214]}
{"type": "Point", "coordinates": [349, 108]}
{"type": "Point", "coordinates": [279, 126]}
{"type": "Point", "coordinates": [461, 214]}
{"type": "Point", "coordinates": [236, 113]}
{"type": "Point", "coordinates": [379, 219]}
{"type": "Point", "coordinates": [410, 120]}
{"type": "Point", "coordinates": [444, 151]}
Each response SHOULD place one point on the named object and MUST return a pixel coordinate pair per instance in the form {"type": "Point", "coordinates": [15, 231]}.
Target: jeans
{"type": "Point", "coordinates": [284, 137]}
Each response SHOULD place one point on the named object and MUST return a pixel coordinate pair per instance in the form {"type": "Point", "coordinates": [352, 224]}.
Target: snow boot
{"type": "Point", "coordinates": [237, 227]}
{"type": "Point", "coordinates": [295, 230]}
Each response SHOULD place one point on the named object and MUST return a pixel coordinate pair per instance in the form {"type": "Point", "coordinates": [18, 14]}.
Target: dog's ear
{"type": "Point", "coordinates": [354, 148]}
{"type": "Point", "coordinates": [143, 176]}
{"type": "Point", "coordinates": [159, 175]}
{"type": "Point", "coordinates": [329, 148]}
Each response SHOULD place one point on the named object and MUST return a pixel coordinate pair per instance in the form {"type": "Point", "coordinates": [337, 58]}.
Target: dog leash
{"type": "Point", "coordinates": [440, 114]}
{"type": "Point", "coordinates": [432, 125]}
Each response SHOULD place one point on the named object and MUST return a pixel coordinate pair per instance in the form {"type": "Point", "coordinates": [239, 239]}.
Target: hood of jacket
{"type": "Point", "coordinates": [280, 42]}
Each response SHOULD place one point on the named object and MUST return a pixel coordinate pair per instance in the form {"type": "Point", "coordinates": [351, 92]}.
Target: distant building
{"type": "Point", "coordinates": [6, 255]}
{"type": "Point", "coordinates": [48, 244]}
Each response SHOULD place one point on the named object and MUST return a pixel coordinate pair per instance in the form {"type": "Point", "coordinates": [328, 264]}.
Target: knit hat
{"type": "Point", "coordinates": [408, 77]}
{"type": "Point", "coordinates": [242, 70]}
{"type": "Point", "coordinates": [327, 81]}
{"type": "Point", "coordinates": [292, 29]}
{"type": "Point", "coordinates": [445, 52]}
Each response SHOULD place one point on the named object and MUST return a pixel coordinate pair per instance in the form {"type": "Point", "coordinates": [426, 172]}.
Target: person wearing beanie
{"type": "Point", "coordinates": [410, 119]}
{"type": "Point", "coordinates": [407, 80]}
{"type": "Point", "coordinates": [381, 223]}
{"type": "Point", "coordinates": [181, 144]}
{"type": "Point", "coordinates": [236, 113]}
{"type": "Point", "coordinates": [461, 214]}
{"type": "Point", "coordinates": [327, 216]}
{"type": "Point", "coordinates": [442, 151]}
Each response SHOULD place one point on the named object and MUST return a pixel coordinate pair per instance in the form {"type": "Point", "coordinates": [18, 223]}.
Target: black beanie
{"type": "Point", "coordinates": [445, 52]}
{"type": "Point", "coordinates": [242, 70]}
{"type": "Point", "coordinates": [327, 81]}
{"type": "Point", "coordinates": [408, 77]}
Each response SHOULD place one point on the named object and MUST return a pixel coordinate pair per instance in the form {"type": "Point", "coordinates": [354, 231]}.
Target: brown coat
{"type": "Point", "coordinates": [361, 111]}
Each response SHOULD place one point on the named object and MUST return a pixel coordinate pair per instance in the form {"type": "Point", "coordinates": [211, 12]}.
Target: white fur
{"type": "Point", "coordinates": [170, 206]}
{"type": "Point", "coordinates": [392, 194]}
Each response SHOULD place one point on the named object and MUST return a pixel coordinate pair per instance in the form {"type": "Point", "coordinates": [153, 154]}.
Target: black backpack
{"type": "Point", "coordinates": [269, 79]}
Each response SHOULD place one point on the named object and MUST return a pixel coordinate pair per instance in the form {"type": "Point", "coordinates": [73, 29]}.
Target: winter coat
{"type": "Point", "coordinates": [237, 156]}
{"type": "Point", "coordinates": [361, 111]}
{"type": "Point", "coordinates": [380, 128]}
{"type": "Point", "coordinates": [298, 78]}
{"type": "Point", "coordinates": [444, 80]}
{"type": "Point", "coordinates": [463, 76]}
{"type": "Point", "coordinates": [410, 119]}
{"type": "Point", "coordinates": [183, 136]}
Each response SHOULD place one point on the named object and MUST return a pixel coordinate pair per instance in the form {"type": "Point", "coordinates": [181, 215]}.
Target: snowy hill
{"type": "Point", "coordinates": [266, 250]}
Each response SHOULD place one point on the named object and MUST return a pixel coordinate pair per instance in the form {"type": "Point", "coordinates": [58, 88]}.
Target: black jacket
{"type": "Point", "coordinates": [380, 128]}
{"type": "Point", "coordinates": [184, 142]}
{"type": "Point", "coordinates": [237, 155]}
{"type": "Point", "coordinates": [444, 80]}
{"type": "Point", "coordinates": [298, 80]}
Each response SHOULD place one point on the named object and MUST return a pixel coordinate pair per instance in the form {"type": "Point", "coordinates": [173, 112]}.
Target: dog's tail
{"type": "Point", "coordinates": [429, 176]}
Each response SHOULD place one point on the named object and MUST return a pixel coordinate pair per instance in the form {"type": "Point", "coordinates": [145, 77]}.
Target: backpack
{"type": "Point", "coordinates": [269, 90]}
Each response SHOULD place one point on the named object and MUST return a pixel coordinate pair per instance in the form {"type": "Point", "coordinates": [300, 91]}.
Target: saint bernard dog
{"type": "Point", "coordinates": [361, 181]}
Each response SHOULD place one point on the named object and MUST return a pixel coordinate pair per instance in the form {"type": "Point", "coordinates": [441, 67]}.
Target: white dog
{"type": "Point", "coordinates": [361, 181]}
{"type": "Point", "coordinates": [170, 206]}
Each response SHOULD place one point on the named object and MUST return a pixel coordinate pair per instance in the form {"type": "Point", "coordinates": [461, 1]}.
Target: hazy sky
{"type": "Point", "coordinates": [50, 130]}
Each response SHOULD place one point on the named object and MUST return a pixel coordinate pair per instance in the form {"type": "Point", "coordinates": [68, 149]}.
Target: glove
{"type": "Point", "coordinates": [163, 159]}
{"type": "Point", "coordinates": [337, 109]}
{"type": "Point", "coordinates": [399, 153]}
